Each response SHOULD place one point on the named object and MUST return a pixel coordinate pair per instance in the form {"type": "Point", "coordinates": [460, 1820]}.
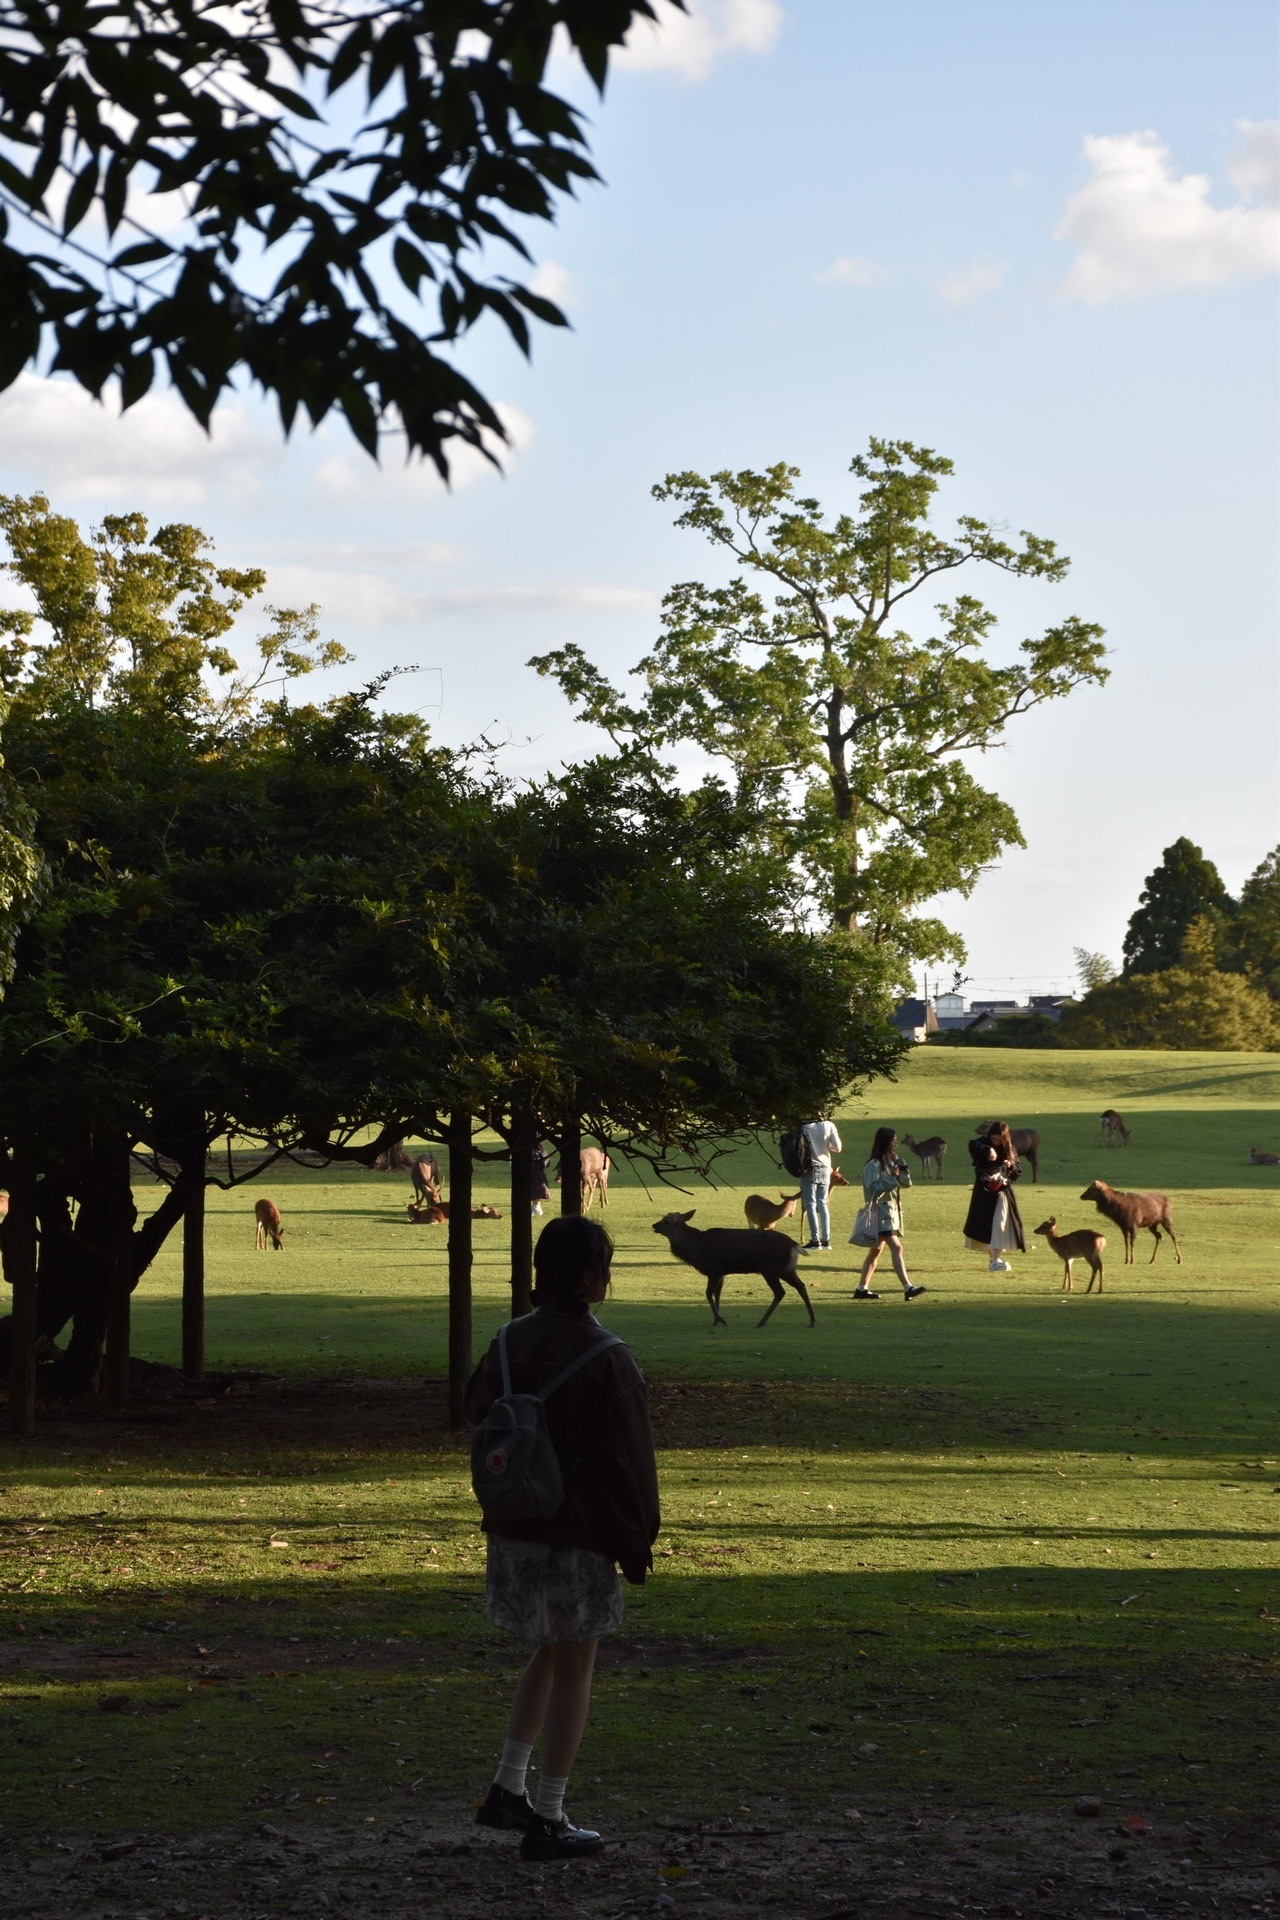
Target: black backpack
{"type": "Point", "coordinates": [515, 1474]}
{"type": "Point", "coordinates": [796, 1153]}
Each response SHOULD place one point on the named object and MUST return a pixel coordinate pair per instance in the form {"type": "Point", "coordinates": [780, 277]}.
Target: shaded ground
{"type": "Point", "coordinates": [832, 1823]}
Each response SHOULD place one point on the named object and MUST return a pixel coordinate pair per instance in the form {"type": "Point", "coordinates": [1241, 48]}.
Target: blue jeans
{"type": "Point", "coordinates": [813, 1188]}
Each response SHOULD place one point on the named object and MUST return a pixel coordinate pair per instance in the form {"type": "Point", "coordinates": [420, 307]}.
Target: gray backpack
{"type": "Point", "coordinates": [514, 1470]}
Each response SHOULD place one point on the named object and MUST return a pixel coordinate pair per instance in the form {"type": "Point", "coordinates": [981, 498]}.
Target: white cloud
{"type": "Point", "coordinates": [964, 285]}
{"type": "Point", "coordinates": [352, 477]}
{"type": "Point", "coordinates": [363, 598]}
{"type": "Point", "coordinates": [691, 44]}
{"type": "Point", "coordinates": [56, 437]}
{"type": "Point", "coordinates": [1138, 227]}
{"type": "Point", "coordinates": [555, 282]}
{"type": "Point", "coordinates": [850, 270]}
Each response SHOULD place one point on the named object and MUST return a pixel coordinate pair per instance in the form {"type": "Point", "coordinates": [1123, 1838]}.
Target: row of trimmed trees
{"type": "Point", "coordinates": [305, 926]}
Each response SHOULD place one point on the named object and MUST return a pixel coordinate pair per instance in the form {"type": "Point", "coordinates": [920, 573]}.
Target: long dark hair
{"type": "Point", "coordinates": [999, 1137]}
{"type": "Point", "coordinates": [880, 1146]}
{"type": "Point", "coordinates": [567, 1248]}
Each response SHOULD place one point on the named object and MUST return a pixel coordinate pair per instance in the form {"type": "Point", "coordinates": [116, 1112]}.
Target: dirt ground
{"type": "Point", "coordinates": [930, 1866]}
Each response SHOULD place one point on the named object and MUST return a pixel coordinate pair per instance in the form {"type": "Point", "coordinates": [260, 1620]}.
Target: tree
{"type": "Point", "coordinates": [1183, 1009]}
{"type": "Point", "coordinates": [191, 187]}
{"type": "Point", "coordinates": [1184, 885]}
{"type": "Point", "coordinates": [843, 731]}
{"type": "Point", "coordinates": [1256, 927]}
{"type": "Point", "coordinates": [1095, 969]}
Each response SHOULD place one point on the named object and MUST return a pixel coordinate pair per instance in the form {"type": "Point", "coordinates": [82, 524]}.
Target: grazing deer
{"type": "Point", "coordinates": [1114, 1131]}
{"type": "Point", "coordinates": [1131, 1211]}
{"type": "Point", "coordinates": [434, 1212]}
{"type": "Point", "coordinates": [1084, 1244]}
{"type": "Point", "coordinates": [763, 1213]}
{"type": "Point", "coordinates": [425, 1172]}
{"type": "Point", "coordinates": [934, 1148]}
{"type": "Point", "coordinates": [267, 1215]}
{"type": "Point", "coordinates": [1258, 1157]}
{"type": "Point", "coordinates": [593, 1164]}
{"type": "Point", "coordinates": [722, 1250]}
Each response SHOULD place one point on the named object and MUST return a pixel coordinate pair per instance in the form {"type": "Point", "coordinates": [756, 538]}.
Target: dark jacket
{"type": "Point", "coordinates": [599, 1427]}
{"type": "Point", "coordinates": [980, 1218]}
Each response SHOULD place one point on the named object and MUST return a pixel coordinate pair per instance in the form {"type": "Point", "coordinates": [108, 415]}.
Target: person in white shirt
{"type": "Point", "coordinates": [823, 1142]}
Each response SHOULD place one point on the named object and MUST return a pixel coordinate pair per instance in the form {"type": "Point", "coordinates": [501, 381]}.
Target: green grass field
{"type": "Point", "coordinates": [993, 1549]}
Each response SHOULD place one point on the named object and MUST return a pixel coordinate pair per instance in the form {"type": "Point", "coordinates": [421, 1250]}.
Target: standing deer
{"type": "Point", "coordinates": [1026, 1144]}
{"type": "Point", "coordinates": [1131, 1211]}
{"type": "Point", "coordinates": [593, 1164]}
{"type": "Point", "coordinates": [267, 1215]}
{"type": "Point", "coordinates": [425, 1172]}
{"type": "Point", "coordinates": [1114, 1131]}
{"type": "Point", "coordinates": [722, 1250]}
{"type": "Point", "coordinates": [934, 1148]}
{"type": "Point", "coordinates": [763, 1213]}
{"type": "Point", "coordinates": [1084, 1244]}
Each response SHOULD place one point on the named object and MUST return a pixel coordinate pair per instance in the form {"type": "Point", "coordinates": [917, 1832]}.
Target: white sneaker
{"type": "Point", "coordinates": [999, 1266]}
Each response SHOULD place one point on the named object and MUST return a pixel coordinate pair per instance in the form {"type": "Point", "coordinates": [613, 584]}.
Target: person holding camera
{"type": "Point", "coordinates": [883, 1177]}
{"type": "Point", "coordinates": [993, 1224]}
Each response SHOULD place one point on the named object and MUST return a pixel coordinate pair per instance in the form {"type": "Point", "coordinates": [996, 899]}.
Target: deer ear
{"type": "Point", "coordinates": [690, 1214]}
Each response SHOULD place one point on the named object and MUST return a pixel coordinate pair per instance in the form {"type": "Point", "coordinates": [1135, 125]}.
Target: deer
{"type": "Point", "coordinates": [1114, 1131]}
{"type": "Point", "coordinates": [837, 1178]}
{"type": "Point", "coordinates": [1026, 1144]}
{"type": "Point", "coordinates": [762, 1213]}
{"type": "Point", "coordinates": [1131, 1211]}
{"type": "Point", "coordinates": [267, 1215]}
{"type": "Point", "coordinates": [425, 1173]}
{"type": "Point", "coordinates": [593, 1166]}
{"type": "Point", "coordinates": [1083, 1244]}
{"type": "Point", "coordinates": [722, 1250]}
{"type": "Point", "coordinates": [393, 1159]}
{"type": "Point", "coordinates": [934, 1148]}
{"type": "Point", "coordinates": [1259, 1157]}
{"type": "Point", "coordinates": [434, 1212]}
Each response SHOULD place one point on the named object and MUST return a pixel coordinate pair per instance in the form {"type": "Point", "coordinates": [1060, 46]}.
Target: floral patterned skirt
{"type": "Point", "coordinates": [550, 1594]}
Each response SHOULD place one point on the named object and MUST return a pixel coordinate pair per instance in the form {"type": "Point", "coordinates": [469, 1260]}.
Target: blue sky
{"type": "Point", "coordinates": [1041, 240]}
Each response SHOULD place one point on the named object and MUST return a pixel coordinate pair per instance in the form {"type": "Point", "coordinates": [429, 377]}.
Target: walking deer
{"type": "Point", "coordinates": [1131, 1211]}
{"type": "Point", "coordinates": [934, 1148]}
{"type": "Point", "coordinates": [1083, 1244]}
{"type": "Point", "coordinates": [722, 1250]}
{"type": "Point", "coordinates": [267, 1215]}
{"type": "Point", "coordinates": [763, 1213]}
{"type": "Point", "coordinates": [1114, 1131]}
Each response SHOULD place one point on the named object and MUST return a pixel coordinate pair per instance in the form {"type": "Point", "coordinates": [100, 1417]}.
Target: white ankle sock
{"type": "Point", "coordinates": [513, 1765]}
{"type": "Point", "coordinates": [549, 1804]}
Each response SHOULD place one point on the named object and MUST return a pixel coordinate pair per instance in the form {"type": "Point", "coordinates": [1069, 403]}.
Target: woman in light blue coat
{"type": "Point", "coordinates": [883, 1177]}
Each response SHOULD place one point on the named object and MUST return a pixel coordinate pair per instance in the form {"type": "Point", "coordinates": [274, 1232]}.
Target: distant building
{"type": "Point", "coordinates": [914, 1019]}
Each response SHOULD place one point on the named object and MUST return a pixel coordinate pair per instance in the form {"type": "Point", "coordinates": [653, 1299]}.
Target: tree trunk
{"type": "Point", "coordinates": [193, 1280]}
{"type": "Point", "coordinates": [571, 1164]}
{"type": "Point", "coordinates": [524, 1135]}
{"type": "Point", "coordinates": [116, 1239]}
{"type": "Point", "coordinates": [18, 1245]}
{"type": "Point", "coordinates": [459, 1263]}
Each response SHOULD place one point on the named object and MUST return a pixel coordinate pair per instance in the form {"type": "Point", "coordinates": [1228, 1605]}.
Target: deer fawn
{"type": "Point", "coordinates": [267, 1215]}
{"type": "Point", "coordinates": [1084, 1244]}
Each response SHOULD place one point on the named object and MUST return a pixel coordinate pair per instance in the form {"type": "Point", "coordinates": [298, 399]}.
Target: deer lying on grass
{"type": "Point", "coordinates": [934, 1148]}
{"type": "Point", "coordinates": [723, 1250]}
{"type": "Point", "coordinates": [434, 1212]}
{"type": "Point", "coordinates": [1258, 1157]}
{"type": "Point", "coordinates": [763, 1213]}
{"type": "Point", "coordinates": [1131, 1211]}
{"type": "Point", "coordinates": [1114, 1131]}
{"type": "Point", "coordinates": [267, 1215]}
{"type": "Point", "coordinates": [1083, 1244]}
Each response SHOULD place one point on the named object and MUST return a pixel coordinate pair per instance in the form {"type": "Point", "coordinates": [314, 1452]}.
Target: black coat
{"type": "Point", "coordinates": [599, 1427]}
{"type": "Point", "coordinates": [980, 1218]}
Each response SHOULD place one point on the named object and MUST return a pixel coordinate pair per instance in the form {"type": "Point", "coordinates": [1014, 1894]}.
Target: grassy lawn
{"type": "Point", "coordinates": [989, 1551]}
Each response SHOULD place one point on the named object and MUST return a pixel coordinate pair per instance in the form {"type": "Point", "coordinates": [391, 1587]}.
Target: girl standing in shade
{"type": "Point", "coordinates": [993, 1224]}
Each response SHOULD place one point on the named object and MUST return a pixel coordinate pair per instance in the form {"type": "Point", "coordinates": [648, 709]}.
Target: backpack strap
{"type": "Point", "coordinates": [610, 1340]}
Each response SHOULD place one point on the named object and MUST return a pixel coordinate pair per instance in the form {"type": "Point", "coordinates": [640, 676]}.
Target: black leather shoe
{"type": "Point", "coordinates": [557, 1840]}
{"type": "Point", "coordinates": [502, 1808]}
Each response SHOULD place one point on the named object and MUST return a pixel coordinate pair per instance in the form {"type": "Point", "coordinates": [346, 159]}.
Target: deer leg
{"type": "Point", "coordinates": [1066, 1277]}
{"type": "Point", "coordinates": [775, 1288]}
{"type": "Point", "coordinates": [1095, 1272]}
{"type": "Point", "coordinates": [1155, 1235]}
{"type": "Point", "coordinates": [714, 1283]}
{"type": "Point", "coordinates": [1177, 1252]}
